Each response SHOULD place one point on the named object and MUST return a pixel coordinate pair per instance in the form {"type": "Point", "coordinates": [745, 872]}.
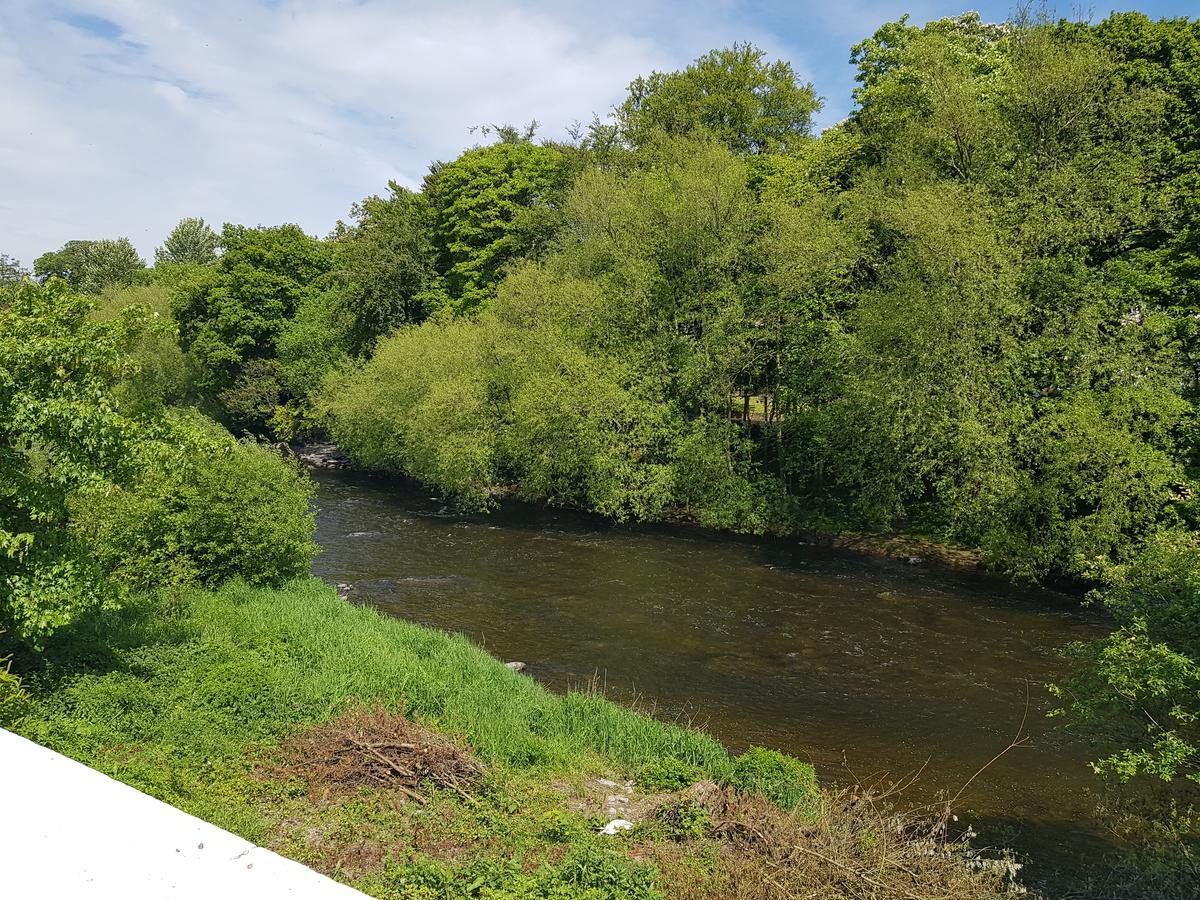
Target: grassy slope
{"type": "Point", "coordinates": [188, 697]}
{"type": "Point", "coordinates": [180, 696]}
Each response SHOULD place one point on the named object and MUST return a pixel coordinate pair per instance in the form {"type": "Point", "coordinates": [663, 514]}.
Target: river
{"type": "Point", "coordinates": [871, 669]}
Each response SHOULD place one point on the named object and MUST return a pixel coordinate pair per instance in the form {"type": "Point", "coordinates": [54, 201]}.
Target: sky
{"type": "Point", "coordinates": [122, 116]}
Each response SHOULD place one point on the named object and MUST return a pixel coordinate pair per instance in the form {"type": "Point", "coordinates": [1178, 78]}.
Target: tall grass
{"type": "Point", "coordinates": [190, 682]}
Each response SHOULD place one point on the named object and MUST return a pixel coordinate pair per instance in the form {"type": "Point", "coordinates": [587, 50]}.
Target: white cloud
{"type": "Point", "coordinates": [122, 117]}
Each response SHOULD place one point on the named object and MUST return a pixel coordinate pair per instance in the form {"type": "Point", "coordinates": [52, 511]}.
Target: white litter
{"type": "Point", "coordinates": [616, 825]}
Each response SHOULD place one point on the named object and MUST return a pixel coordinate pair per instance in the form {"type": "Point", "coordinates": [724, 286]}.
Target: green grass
{"type": "Point", "coordinates": [183, 696]}
{"type": "Point", "coordinates": [209, 672]}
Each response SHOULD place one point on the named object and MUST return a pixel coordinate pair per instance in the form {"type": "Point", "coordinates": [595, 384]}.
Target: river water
{"type": "Point", "coordinates": [871, 669]}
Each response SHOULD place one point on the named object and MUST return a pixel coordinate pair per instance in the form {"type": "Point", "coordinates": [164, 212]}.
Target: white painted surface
{"type": "Point", "coordinates": [67, 831]}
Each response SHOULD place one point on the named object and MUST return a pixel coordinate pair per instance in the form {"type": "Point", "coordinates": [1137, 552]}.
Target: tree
{"type": "Point", "coordinates": [1144, 681]}
{"type": "Point", "coordinates": [65, 263]}
{"type": "Point", "coordinates": [479, 201]}
{"type": "Point", "coordinates": [748, 104]}
{"type": "Point", "coordinates": [191, 241]}
{"type": "Point", "coordinates": [11, 270]}
{"type": "Point", "coordinates": [236, 311]}
{"type": "Point", "coordinates": [91, 266]}
{"type": "Point", "coordinates": [386, 264]}
{"type": "Point", "coordinates": [94, 499]}
{"type": "Point", "coordinates": [60, 431]}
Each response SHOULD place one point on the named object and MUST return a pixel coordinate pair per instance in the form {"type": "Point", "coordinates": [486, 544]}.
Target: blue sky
{"type": "Point", "coordinates": [122, 116]}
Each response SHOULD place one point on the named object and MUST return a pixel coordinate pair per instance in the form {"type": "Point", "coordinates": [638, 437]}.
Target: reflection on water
{"type": "Point", "coordinates": [868, 668]}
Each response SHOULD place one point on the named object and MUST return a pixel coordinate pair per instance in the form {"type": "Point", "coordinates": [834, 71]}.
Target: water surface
{"type": "Point", "coordinates": [868, 668]}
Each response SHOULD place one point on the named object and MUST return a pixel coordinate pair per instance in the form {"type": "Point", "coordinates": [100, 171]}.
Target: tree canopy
{"type": "Point", "coordinates": [91, 266]}
{"type": "Point", "coordinates": [191, 241]}
{"type": "Point", "coordinates": [734, 94]}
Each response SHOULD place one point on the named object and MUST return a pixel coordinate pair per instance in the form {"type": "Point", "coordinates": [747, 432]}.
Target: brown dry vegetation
{"type": "Point", "coordinates": [379, 789]}
{"type": "Point", "coordinates": [852, 848]}
{"type": "Point", "coordinates": [372, 748]}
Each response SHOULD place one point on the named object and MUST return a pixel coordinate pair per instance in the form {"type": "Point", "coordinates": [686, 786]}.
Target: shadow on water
{"type": "Point", "coordinates": [871, 669]}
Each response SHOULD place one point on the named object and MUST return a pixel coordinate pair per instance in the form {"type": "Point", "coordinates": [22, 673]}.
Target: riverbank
{"type": "Point", "coordinates": [409, 764]}
{"type": "Point", "coordinates": [908, 548]}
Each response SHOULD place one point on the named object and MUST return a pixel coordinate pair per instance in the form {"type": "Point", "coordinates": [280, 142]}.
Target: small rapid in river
{"type": "Point", "coordinates": [871, 669]}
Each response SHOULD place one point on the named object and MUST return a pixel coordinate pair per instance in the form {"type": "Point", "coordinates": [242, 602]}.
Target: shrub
{"type": "Point", "coordinates": [667, 774]}
{"type": "Point", "coordinates": [209, 511]}
{"type": "Point", "coordinates": [787, 782]}
{"type": "Point", "coordinates": [588, 872]}
{"type": "Point", "coordinates": [683, 821]}
{"type": "Point", "coordinates": [560, 827]}
{"type": "Point", "coordinates": [604, 873]}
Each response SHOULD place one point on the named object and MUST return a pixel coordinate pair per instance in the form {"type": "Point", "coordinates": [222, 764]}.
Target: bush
{"type": "Point", "coordinates": [587, 872]}
{"type": "Point", "coordinates": [213, 510]}
{"type": "Point", "coordinates": [683, 821]}
{"type": "Point", "coordinates": [785, 781]}
{"type": "Point", "coordinates": [667, 774]}
{"type": "Point", "coordinates": [603, 873]}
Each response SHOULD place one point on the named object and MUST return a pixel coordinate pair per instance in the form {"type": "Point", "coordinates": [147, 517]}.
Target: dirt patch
{"type": "Point", "coordinates": [371, 747]}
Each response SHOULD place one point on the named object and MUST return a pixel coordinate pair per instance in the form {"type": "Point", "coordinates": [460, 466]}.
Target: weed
{"type": "Point", "coordinates": [785, 781]}
{"type": "Point", "coordinates": [683, 820]}
{"type": "Point", "coordinates": [560, 827]}
{"type": "Point", "coordinates": [667, 774]}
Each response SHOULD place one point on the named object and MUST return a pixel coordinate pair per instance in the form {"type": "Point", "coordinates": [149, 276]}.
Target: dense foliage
{"type": "Point", "coordinates": [91, 266]}
{"type": "Point", "coordinates": [231, 314]}
{"type": "Point", "coordinates": [386, 261]}
{"type": "Point", "coordinates": [191, 241]}
{"type": "Point", "coordinates": [480, 202]}
{"type": "Point", "coordinates": [60, 432]}
{"type": "Point", "coordinates": [96, 494]}
{"type": "Point", "coordinates": [968, 311]}
{"type": "Point", "coordinates": [732, 94]}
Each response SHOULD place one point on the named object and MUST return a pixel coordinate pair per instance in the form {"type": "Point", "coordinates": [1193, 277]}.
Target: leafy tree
{"type": "Point", "coordinates": [160, 374]}
{"type": "Point", "coordinates": [60, 432]}
{"type": "Point", "coordinates": [734, 94]}
{"type": "Point", "coordinates": [1159, 58]}
{"type": "Point", "coordinates": [479, 201]}
{"type": "Point", "coordinates": [386, 263]}
{"type": "Point", "coordinates": [1144, 683]}
{"type": "Point", "coordinates": [94, 499]}
{"type": "Point", "coordinates": [250, 402]}
{"type": "Point", "coordinates": [11, 270]}
{"type": "Point", "coordinates": [574, 381]}
{"type": "Point", "coordinates": [91, 266]}
{"type": "Point", "coordinates": [191, 241]}
{"type": "Point", "coordinates": [66, 263]}
{"type": "Point", "coordinates": [235, 311]}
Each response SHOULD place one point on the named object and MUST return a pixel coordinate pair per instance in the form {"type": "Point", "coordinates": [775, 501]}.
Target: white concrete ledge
{"type": "Point", "coordinates": [67, 831]}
